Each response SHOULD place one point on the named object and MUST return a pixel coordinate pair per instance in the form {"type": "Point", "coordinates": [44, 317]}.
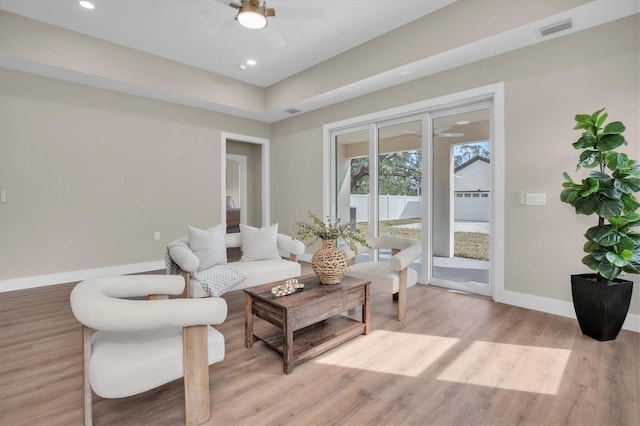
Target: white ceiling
{"type": "Point", "coordinates": [204, 33]}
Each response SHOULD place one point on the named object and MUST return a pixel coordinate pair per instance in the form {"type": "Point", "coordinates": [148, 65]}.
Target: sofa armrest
{"type": "Point", "coordinates": [293, 246]}
{"type": "Point", "coordinates": [184, 258]}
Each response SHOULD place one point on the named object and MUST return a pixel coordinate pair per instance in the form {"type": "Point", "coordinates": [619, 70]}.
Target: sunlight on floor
{"type": "Point", "coordinates": [390, 352]}
{"type": "Point", "coordinates": [517, 367]}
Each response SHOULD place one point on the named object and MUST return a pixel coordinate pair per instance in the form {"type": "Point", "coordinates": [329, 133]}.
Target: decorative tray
{"type": "Point", "coordinates": [289, 287]}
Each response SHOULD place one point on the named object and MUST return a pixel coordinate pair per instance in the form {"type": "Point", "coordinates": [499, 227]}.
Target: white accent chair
{"type": "Point", "coordinates": [132, 346]}
{"type": "Point", "coordinates": [393, 276]}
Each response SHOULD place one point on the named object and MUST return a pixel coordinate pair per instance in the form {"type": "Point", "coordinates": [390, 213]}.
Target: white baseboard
{"type": "Point", "coordinates": [74, 276]}
{"type": "Point", "coordinates": [554, 306]}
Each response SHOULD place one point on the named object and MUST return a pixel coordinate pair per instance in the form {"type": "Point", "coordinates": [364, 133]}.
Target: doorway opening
{"type": "Point", "coordinates": [245, 181]}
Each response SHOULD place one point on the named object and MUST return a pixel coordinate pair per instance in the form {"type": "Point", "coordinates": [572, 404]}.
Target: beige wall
{"type": "Point", "coordinates": [545, 86]}
{"type": "Point", "coordinates": [90, 175]}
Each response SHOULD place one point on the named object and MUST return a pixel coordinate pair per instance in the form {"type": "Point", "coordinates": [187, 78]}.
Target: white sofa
{"type": "Point", "coordinates": [257, 272]}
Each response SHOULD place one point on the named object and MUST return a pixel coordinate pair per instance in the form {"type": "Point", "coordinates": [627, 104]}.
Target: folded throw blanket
{"type": "Point", "coordinates": [216, 280]}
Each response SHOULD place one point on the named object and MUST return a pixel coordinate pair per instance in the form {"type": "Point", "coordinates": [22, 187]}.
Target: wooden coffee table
{"type": "Point", "coordinates": [308, 322]}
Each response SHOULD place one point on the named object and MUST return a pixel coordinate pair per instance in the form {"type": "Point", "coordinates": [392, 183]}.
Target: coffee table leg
{"type": "Point", "coordinates": [366, 314]}
{"type": "Point", "coordinates": [248, 321]}
{"type": "Point", "coordinates": [287, 350]}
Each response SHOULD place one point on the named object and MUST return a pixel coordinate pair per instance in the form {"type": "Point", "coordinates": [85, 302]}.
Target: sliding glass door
{"type": "Point", "coordinates": [461, 212]}
{"type": "Point", "coordinates": [378, 179]}
{"type": "Point", "coordinates": [399, 156]}
{"type": "Point", "coordinates": [352, 182]}
{"type": "Point", "coordinates": [426, 177]}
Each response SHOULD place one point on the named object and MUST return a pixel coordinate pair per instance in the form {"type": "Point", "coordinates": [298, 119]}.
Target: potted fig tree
{"type": "Point", "coordinates": [601, 299]}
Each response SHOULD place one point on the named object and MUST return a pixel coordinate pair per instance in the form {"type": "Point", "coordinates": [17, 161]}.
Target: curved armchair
{"type": "Point", "coordinates": [393, 276]}
{"type": "Point", "coordinates": [132, 346]}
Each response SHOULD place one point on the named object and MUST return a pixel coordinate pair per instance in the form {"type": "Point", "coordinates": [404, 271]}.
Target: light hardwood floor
{"type": "Point", "coordinates": [455, 360]}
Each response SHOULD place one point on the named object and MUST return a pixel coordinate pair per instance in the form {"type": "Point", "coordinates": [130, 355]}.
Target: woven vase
{"type": "Point", "coordinates": [329, 263]}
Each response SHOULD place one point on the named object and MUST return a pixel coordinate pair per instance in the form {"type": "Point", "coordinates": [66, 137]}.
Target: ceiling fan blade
{"type": "Point", "coordinates": [227, 25]}
{"type": "Point", "coordinates": [221, 2]}
{"type": "Point", "coordinates": [449, 135]}
{"type": "Point", "coordinates": [293, 12]}
{"type": "Point", "coordinates": [441, 129]}
{"type": "Point", "coordinates": [274, 36]}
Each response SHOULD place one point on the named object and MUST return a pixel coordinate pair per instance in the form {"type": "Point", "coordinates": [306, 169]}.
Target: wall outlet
{"type": "Point", "coordinates": [156, 235]}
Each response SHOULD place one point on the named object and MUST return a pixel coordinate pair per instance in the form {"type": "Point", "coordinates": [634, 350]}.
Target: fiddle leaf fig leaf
{"type": "Point", "coordinates": [586, 206]}
{"type": "Point", "coordinates": [605, 235]}
{"type": "Point", "coordinates": [609, 207]}
{"type": "Point", "coordinates": [589, 159]}
{"type": "Point", "coordinates": [632, 267]}
{"type": "Point", "coordinates": [613, 128]}
{"type": "Point", "coordinates": [608, 270]}
{"type": "Point", "coordinates": [628, 184]}
{"type": "Point", "coordinates": [600, 121]}
{"type": "Point", "coordinates": [569, 196]}
{"type": "Point", "coordinates": [600, 176]}
{"type": "Point", "coordinates": [611, 141]}
{"type": "Point", "coordinates": [630, 203]}
{"type": "Point", "coordinates": [592, 187]}
{"type": "Point", "coordinates": [582, 119]}
{"type": "Point", "coordinates": [567, 177]}
{"type": "Point", "coordinates": [591, 262]}
{"type": "Point", "coordinates": [620, 221]}
{"type": "Point", "coordinates": [616, 259]}
{"type": "Point", "coordinates": [590, 246]}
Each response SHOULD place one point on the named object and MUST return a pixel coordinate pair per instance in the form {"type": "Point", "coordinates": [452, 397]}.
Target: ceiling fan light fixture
{"type": "Point", "coordinates": [252, 16]}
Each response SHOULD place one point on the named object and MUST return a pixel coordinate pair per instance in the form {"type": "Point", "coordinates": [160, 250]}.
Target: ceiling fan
{"type": "Point", "coordinates": [442, 133]}
{"type": "Point", "coordinates": [254, 13]}
{"type": "Point", "coordinates": [251, 14]}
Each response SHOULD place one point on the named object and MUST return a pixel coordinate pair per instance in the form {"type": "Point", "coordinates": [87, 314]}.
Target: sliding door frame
{"type": "Point", "coordinates": [437, 281]}
{"type": "Point", "coordinates": [493, 93]}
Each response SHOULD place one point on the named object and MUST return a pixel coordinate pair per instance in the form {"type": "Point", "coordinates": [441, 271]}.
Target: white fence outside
{"type": "Point", "coordinates": [391, 207]}
{"type": "Point", "coordinates": [474, 207]}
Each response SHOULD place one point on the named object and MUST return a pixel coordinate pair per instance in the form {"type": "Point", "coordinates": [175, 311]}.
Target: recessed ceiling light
{"type": "Point", "coordinates": [242, 66]}
{"type": "Point", "coordinates": [462, 122]}
{"type": "Point", "coordinates": [86, 4]}
{"type": "Point", "coordinates": [251, 62]}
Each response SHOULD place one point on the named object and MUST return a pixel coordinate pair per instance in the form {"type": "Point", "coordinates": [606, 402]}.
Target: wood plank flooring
{"type": "Point", "coordinates": [454, 360]}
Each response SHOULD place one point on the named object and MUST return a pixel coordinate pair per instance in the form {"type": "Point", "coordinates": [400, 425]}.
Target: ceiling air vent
{"type": "Point", "coordinates": [292, 111]}
{"type": "Point", "coordinates": [555, 27]}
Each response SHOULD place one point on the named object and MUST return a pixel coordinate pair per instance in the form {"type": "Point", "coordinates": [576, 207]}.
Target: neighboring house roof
{"type": "Point", "coordinates": [471, 161]}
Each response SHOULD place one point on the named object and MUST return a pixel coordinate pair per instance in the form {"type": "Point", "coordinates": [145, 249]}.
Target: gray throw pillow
{"type": "Point", "coordinates": [259, 244]}
{"type": "Point", "coordinates": [208, 246]}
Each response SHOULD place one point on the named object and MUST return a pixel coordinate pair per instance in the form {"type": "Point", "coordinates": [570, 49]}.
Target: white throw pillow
{"type": "Point", "coordinates": [259, 244]}
{"type": "Point", "coordinates": [208, 245]}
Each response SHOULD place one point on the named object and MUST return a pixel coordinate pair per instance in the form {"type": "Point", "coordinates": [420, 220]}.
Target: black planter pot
{"type": "Point", "coordinates": [601, 306]}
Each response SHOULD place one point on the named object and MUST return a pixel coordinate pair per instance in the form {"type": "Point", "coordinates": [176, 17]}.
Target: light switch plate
{"type": "Point", "coordinates": [536, 199]}
{"type": "Point", "coordinates": [3, 196]}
